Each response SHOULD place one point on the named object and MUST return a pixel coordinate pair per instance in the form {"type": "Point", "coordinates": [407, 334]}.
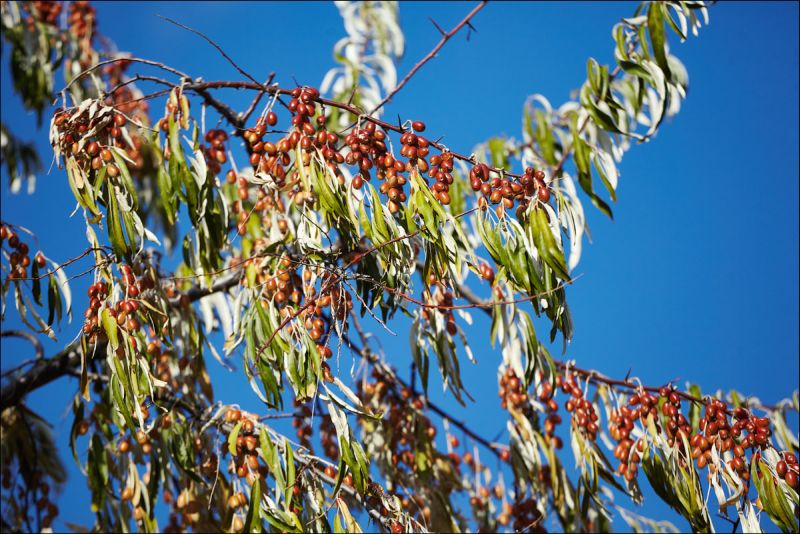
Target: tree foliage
{"type": "Point", "coordinates": [285, 237]}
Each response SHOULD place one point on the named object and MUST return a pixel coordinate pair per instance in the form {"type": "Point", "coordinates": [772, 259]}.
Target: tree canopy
{"type": "Point", "coordinates": [293, 232]}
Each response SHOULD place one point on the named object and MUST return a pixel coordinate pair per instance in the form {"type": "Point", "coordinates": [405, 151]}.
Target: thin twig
{"type": "Point", "coordinates": [150, 62]}
{"type": "Point", "coordinates": [215, 45]}
{"type": "Point", "coordinates": [27, 336]}
{"type": "Point", "coordinates": [246, 115]}
{"type": "Point", "coordinates": [68, 262]}
{"type": "Point", "coordinates": [445, 37]}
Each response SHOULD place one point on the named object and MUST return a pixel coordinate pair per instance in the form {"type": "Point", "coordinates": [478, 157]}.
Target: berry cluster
{"type": "Point", "coordinates": [513, 396]}
{"type": "Point", "coordinates": [125, 312]}
{"type": "Point", "coordinates": [162, 362]}
{"type": "Point", "coordinates": [44, 12]}
{"type": "Point", "coordinates": [237, 501]}
{"type": "Point", "coordinates": [440, 170]}
{"type": "Point", "coordinates": [583, 413]}
{"type": "Point", "coordinates": [186, 512]}
{"type": "Point", "coordinates": [330, 472]}
{"type": "Point", "coordinates": [404, 419]}
{"type": "Point", "coordinates": [302, 422]}
{"type": "Point", "coordinates": [302, 105]}
{"type": "Point", "coordinates": [89, 138]}
{"type": "Point", "coordinates": [620, 426]}
{"type": "Point", "coordinates": [330, 443]}
{"type": "Point", "coordinates": [486, 272]}
{"type": "Point", "coordinates": [82, 19]}
{"type": "Point", "coordinates": [215, 153]}
{"type": "Point", "coordinates": [177, 108]}
{"type": "Point", "coordinates": [123, 97]}
{"type": "Point", "coordinates": [511, 393]}
{"type": "Point", "coordinates": [388, 168]}
{"type": "Point", "coordinates": [266, 156]}
{"type": "Point", "coordinates": [284, 286]}
{"type": "Point", "coordinates": [788, 469]}
{"type": "Point", "coordinates": [44, 504]}
{"type": "Point", "coordinates": [677, 426]}
{"type": "Point", "coordinates": [415, 147]}
{"type": "Point", "coordinates": [144, 438]}
{"type": "Point", "coordinates": [501, 190]}
{"type": "Point", "coordinates": [715, 423]}
{"type": "Point", "coordinates": [35, 484]}
{"type": "Point", "coordinates": [97, 293]}
{"type": "Point", "coordinates": [524, 513]}
{"type": "Point", "coordinates": [443, 299]}
{"type": "Point", "coordinates": [553, 418]}
{"type": "Point", "coordinates": [19, 259]}
{"type": "Point", "coordinates": [288, 290]}
{"type": "Point", "coordinates": [718, 432]}
{"type": "Point", "coordinates": [367, 149]}
{"type": "Point", "coordinates": [246, 463]}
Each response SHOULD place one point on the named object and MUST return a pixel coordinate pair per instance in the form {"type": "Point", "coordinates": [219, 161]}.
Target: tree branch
{"type": "Point", "coordinates": [37, 345]}
{"type": "Point", "coordinates": [61, 364]}
{"type": "Point", "coordinates": [215, 45]}
{"type": "Point", "coordinates": [430, 55]}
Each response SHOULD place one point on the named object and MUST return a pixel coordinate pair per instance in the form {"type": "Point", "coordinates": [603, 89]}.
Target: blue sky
{"type": "Point", "coordinates": [695, 280]}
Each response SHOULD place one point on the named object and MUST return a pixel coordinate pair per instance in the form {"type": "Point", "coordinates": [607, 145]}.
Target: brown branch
{"type": "Point", "coordinates": [328, 285]}
{"type": "Point", "coordinates": [215, 45]}
{"type": "Point", "coordinates": [246, 115]}
{"type": "Point", "coordinates": [139, 78]}
{"type": "Point", "coordinates": [309, 461]}
{"type": "Point", "coordinates": [62, 265]}
{"type": "Point", "coordinates": [33, 340]}
{"type": "Point", "coordinates": [61, 364]}
{"type": "Point", "coordinates": [41, 374]}
{"type": "Point", "coordinates": [430, 55]}
{"type": "Point", "coordinates": [150, 62]}
{"type": "Point", "coordinates": [202, 86]}
{"type": "Point", "coordinates": [394, 379]}
{"type": "Point", "coordinates": [480, 303]}
{"type": "Point", "coordinates": [594, 376]}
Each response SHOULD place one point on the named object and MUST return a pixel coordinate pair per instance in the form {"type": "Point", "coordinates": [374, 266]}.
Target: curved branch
{"type": "Point", "coordinates": [37, 345]}
{"type": "Point", "coordinates": [41, 374]}
{"type": "Point", "coordinates": [594, 376]}
{"type": "Point", "coordinates": [66, 361]}
{"type": "Point", "coordinates": [215, 45]}
{"type": "Point", "coordinates": [445, 37]}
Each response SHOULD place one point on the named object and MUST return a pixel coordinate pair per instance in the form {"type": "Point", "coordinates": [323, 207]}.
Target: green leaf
{"type": "Point", "coordinates": [98, 473]}
{"type": "Point", "coordinates": [115, 233]}
{"type": "Point", "coordinates": [253, 521]}
{"type": "Point", "coordinates": [77, 411]}
{"type": "Point", "coordinates": [544, 136]}
{"type": "Point", "coordinates": [773, 499]}
{"type": "Point", "coordinates": [694, 408]}
{"type": "Point", "coordinates": [37, 285]}
{"type": "Point", "coordinates": [234, 435]}
{"type": "Point", "coordinates": [54, 310]}
{"type": "Point", "coordinates": [655, 27]}
{"type": "Point", "coordinates": [547, 246]}
{"type": "Point", "coordinates": [125, 177]}
{"type": "Point", "coordinates": [636, 70]}
{"type": "Point", "coordinates": [121, 405]}
{"type": "Point", "coordinates": [110, 327]}
{"type": "Point", "coordinates": [290, 473]}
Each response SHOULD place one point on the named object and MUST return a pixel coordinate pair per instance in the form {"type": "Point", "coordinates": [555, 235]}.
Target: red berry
{"type": "Point", "coordinates": [781, 468]}
{"type": "Point", "coordinates": [543, 194]}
